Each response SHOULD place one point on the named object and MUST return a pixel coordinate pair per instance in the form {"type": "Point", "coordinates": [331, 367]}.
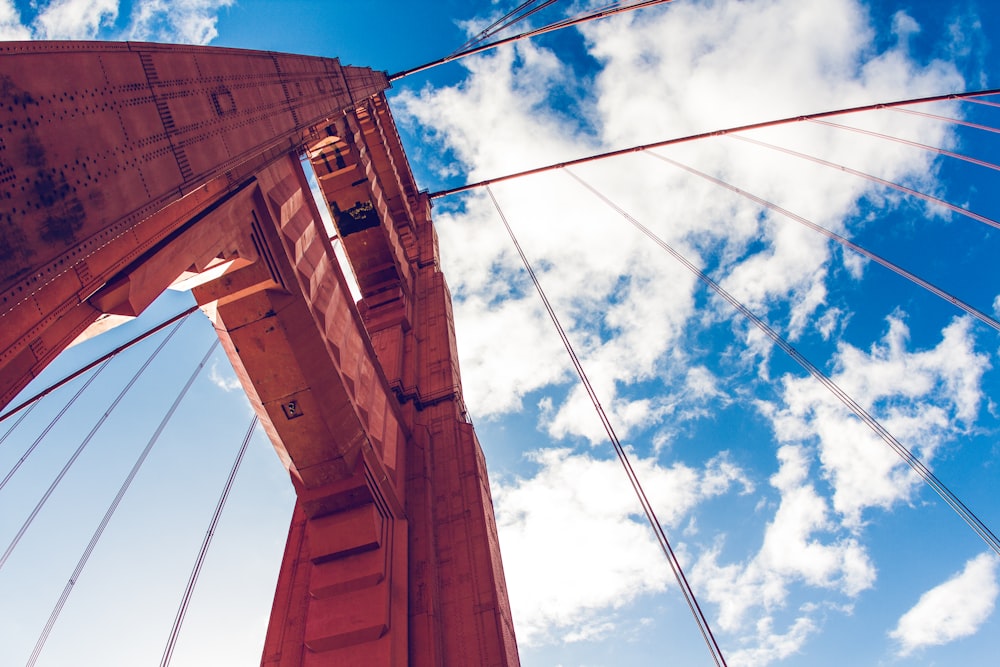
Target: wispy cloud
{"type": "Point", "coordinates": [951, 610]}
{"type": "Point", "coordinates": [224, 379]}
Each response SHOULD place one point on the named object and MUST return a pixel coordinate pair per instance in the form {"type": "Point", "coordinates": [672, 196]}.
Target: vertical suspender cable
{"type": "Point", "coordinates": [908, 457]}
{"type": "Point", "coordinates": [50, 425]}
{"type": "Point", "coordinates": [875, 179]}
{"type": "Point", "coordinates": [916, 280]}
{"type": "Point", "coordinates": [121, 348]}
{"type": "Point", "coordinates": [559, 25]}
{"type": "Point", "coordinates": [17, 422]}
{"type": "Point", "coordinates": [54, 616]}
{"type": "Point", "coordinates": [661, 537]}
{"type": "Point", "coordinates": [175, 631]}
{"type": "Point", "coordinates": [83, 445]}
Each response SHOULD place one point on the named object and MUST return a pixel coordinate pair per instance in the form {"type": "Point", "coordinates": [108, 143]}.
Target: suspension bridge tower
{"type": "Point", "coordinates": [126, 168]}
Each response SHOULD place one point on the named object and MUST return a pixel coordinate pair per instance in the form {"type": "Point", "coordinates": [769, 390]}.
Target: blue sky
{"type": "Point", "coordinates": [804, 537]}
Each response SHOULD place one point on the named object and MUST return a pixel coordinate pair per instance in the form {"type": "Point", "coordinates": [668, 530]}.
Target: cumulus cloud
{"type": "Point", "coordinates": [696, 67]}
{"type": "Point", "coordinates": [801, 546]}
{"type": "Point", "coordinates": [638, 319]}
{"type": "Point", "coordinates": [185, 21]}
{"type": "Point", "coordinates": [577, 519]}
{"type": "Point", "coordinates": [75, 19]}
{"type": "Point", "coordinates": [814, 542]}
{"type": "Point", "coordinates": [922, 397]}
{"type": "Point", "coordinates": [11, 27]}
{"type": "Point", "coordinates": [951, 610]}
{"type": "Point", "coordinates": [179, 21]}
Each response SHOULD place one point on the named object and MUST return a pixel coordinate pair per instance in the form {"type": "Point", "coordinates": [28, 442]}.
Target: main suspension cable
{"type": "Point", "coordinates": [661, 537]}
{"type": "Point", "coordinates": [83, 445]}
{"type": "Point", "coordinates": [527, 35]}
{"type": "Point", "coordinates": [99, 531]}
{"type": "Point", "coordinates": [175, 631]}
{"type": "Point", "coordinates": [975, 312]}
{"type": "Point", "coordinates": [714, 133]}
{"type": "Point", "coordinates": [908, 457]}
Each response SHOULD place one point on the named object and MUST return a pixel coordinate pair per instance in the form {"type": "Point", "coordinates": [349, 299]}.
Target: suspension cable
{"type": "Point", "coordinates": [513, 17]}
{"type": "Point", "coordinates": [915, 144]}
{"type": "Point", "coordinates": [593, 16]}
{"type": "Point", "coordinates": [661, 537]}
{"type": "Point", "coordinates": [714, 133]}
{"type": "Point", "coordinates": [83, 445]}
{"type": "Point", "coordinates": [908, 457]}
{"type": "Point", "coordinates": [17, 422]}
{"type": "Point", "coordinates": [975, 312]}
{"type": "Point", "coordinates": [874, 179]}
{"type": "Point", "coordinates": [985, 102]}
{"type": "Point", "coordinates": [121, 348]}
{"type": "Point", "coordinates": [206, 542]}
{"type": "Point", "coordinates": [51, 424]}
{"type": "Point", "coordinates": [99, 531]}
{"type": "Point", "coordinates": [954, 121]}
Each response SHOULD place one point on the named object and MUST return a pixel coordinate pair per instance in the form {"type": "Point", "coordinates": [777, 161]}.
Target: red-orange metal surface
{"type": "Point", "coordinates": [124, 167]}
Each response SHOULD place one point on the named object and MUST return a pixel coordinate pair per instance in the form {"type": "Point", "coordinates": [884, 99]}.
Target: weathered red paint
{"type": "Point", "coordinates": [126, 167]}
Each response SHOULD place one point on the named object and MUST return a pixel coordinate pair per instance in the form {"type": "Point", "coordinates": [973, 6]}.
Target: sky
{"type": "Point", "coordinates": [805, 538]}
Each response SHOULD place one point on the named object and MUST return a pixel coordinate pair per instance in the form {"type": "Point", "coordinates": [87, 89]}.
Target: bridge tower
{"type": "Point", "coordinates": [126, 168]}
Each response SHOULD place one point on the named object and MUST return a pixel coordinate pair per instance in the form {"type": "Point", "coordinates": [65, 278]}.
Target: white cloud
{"type": "Point", "coordinates": [174, 21]}
{"type": "Point", "coordinates": [951, 610]}
{"type": "Point", "coordinates": [698, 66]}
{"type": "Point", "coordinates": [75, 19]}
{"type": "Point", "coordinates": [813, 542]}
{"type": "Point", "coordinates": [184, 21]}
{"type": "Point", "coordinates": [800, 547]}
{"type": "Point", "coordinates": [577, 519]}
{"type": "Point", "coordinates": [921, 397]}
{"type": "Point", "coordinates": [224, 379]}
{"type": "Point", "coordinates": [11, 27]}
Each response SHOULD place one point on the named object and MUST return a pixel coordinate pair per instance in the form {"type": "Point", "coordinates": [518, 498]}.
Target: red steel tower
{"type": "Point", "coordinates": [126, 168]}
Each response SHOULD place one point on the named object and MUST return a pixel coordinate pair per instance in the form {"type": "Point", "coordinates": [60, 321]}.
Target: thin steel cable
{"type": "Point", "coordinates": [83, 445]}
{"type": "Point", "coordinates": [51, 424]}
{"type": "Point", "coordinates": [907, 142]}
{"type": "Point", "coordinates": [525, 35]}
{"type": "Point", "coordinates": [908, 457]}
{"type": "Point", "coordinates": [946, 119]}
{"type": "Point", "coordinates": [933, 289]}
{"type": "Point", "coordinates": [121, 348]}
{"type": "Point", "coordinates": [874, 179]}
{"type": "Point", "coordinates": [654, 522]}
{"type": "Point", "coordinates": [985, 102]}
{"type": "Point", "coordinates": [509, 19]}
{"type": "Point", "coordinates": [18, 422]}
{"type": "Point", "coordinates": [175, 631]}
{"type": "Point", "coordinates": [99, 531]}
{"type": "Point", "coordinates": [714, 133]}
